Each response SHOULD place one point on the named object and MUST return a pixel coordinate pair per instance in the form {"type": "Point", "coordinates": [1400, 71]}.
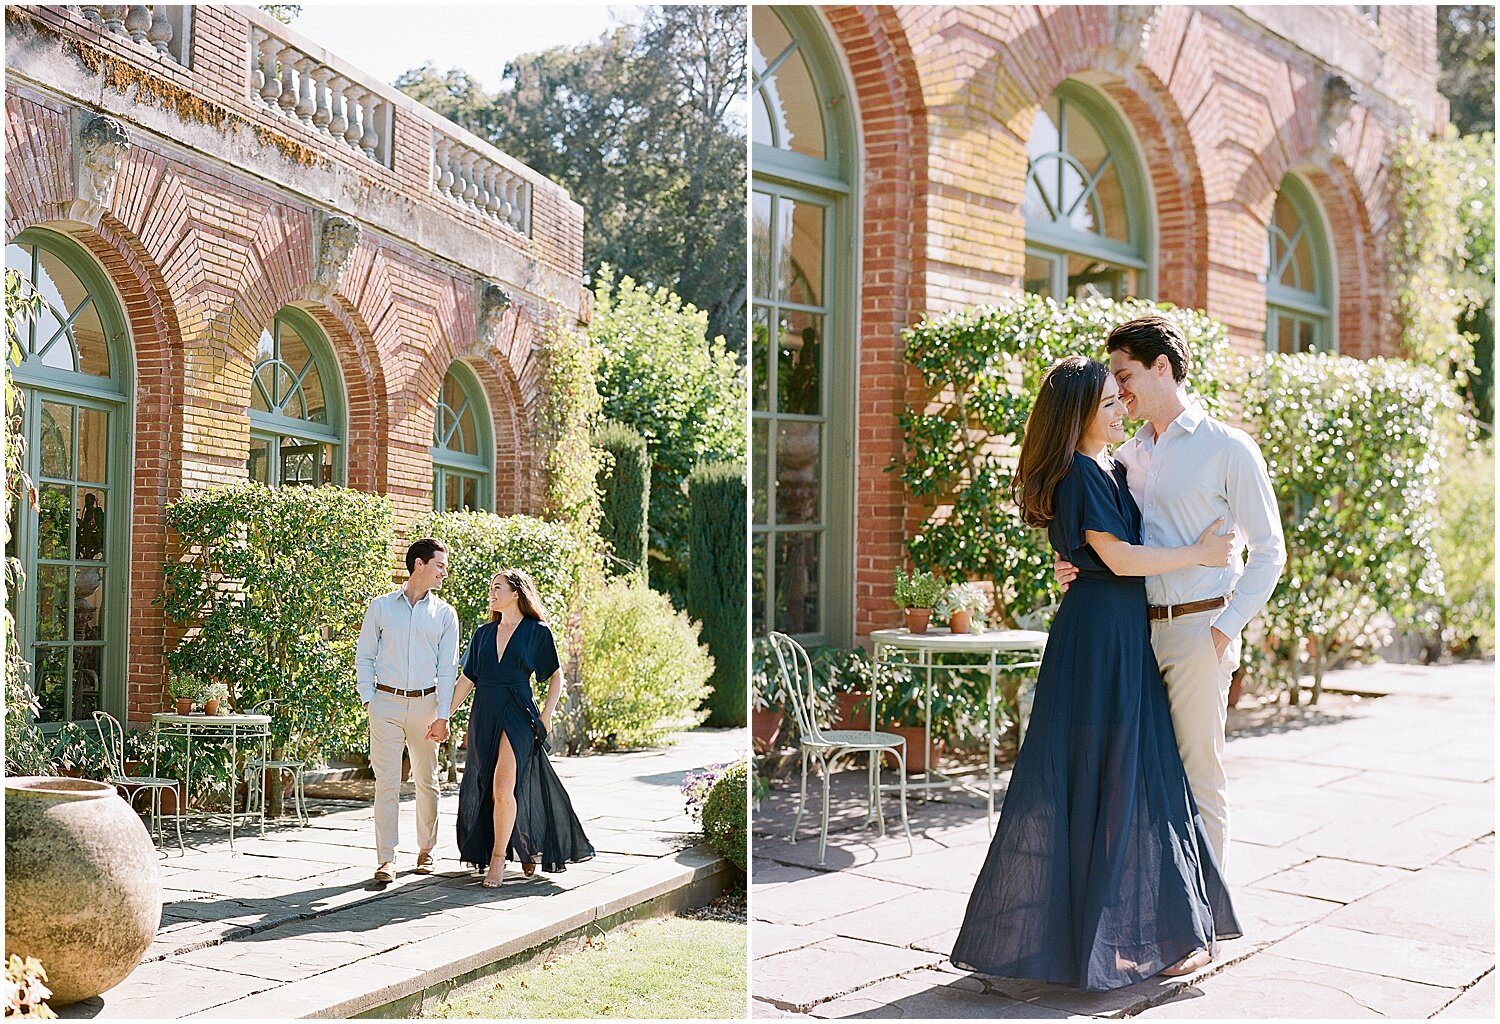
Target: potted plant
{"type": "Point", "coordinates": [767, 702]}
{"type": "Point", "coordinates": [214, 694]}
{"type": "Point", "coordinates": [916, 593]}
{"type": "Point", "coordinates": [186, 689]}
{"type": "Point", "coordinates": [846, 676]}
{"type": "Point", "coordinates": [903, 710]}
{"type": "Point", "coordinates": [77, 752]}
{"type": "Point", "coordinates": [962, 605]}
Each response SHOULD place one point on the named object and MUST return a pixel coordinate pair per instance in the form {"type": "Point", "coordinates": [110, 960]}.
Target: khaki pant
{"type": "Point", "coordinates": [397, 722]}
{"type": "Point", "coordinates": [1198, 691]}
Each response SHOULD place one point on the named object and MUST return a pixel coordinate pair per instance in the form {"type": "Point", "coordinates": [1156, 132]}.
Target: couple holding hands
{"type": "Point", "coordinates": [510, 803]}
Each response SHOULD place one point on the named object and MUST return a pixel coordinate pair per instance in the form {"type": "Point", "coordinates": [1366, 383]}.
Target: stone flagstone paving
{"type": "Point", "coordinates": [1362, 864]}
{"type": "Point", "coordinates": [292, 923]}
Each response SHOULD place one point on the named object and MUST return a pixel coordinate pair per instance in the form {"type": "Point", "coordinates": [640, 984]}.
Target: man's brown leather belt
{"type": "Point", "coordinates": [405, 693]}
{"type": "Point", "coordinates": [1171, 611]}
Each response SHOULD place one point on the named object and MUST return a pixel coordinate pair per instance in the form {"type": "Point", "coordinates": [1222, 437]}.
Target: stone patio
{"type": "Point", "coordinates": [1362, 865]}
{"type": "Point", "coordinates": [291, 925]}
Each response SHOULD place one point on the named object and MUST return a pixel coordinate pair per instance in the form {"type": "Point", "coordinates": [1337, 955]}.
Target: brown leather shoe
{"type": "Point", "coordinates": [384, 873]}
{"type": "Point", "coordinates": [424, 862]}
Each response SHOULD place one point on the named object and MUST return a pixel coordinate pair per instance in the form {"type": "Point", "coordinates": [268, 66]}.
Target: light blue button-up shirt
{"type": "Point", "coordinates": [1198, 470]}
{"type": "Point", "coordinates": [408, 646]}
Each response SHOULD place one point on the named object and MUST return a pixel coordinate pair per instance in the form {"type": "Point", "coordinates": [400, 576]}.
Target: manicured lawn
{"type": "Point", "coordinates": [672, 967]}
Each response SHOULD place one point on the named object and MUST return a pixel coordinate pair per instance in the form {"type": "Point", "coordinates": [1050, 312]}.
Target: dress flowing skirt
{"type": "Point", "coordinates": [547, 831]}
{"type": "Point", "coordinates": [1100, 873]}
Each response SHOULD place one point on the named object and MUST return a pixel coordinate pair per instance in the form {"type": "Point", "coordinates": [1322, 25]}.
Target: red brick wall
{"type": "Point", "coordinates": [1221, 108]}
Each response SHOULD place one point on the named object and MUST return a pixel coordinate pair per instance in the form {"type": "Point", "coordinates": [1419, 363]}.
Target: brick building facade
{"type": "Point", "coordinates": [915, 160]}
{"type": "Point", "coordinates": [258, 261]}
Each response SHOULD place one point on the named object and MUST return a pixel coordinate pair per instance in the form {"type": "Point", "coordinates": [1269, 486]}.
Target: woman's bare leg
{"type": "Point", "coordinates": [503, 792]}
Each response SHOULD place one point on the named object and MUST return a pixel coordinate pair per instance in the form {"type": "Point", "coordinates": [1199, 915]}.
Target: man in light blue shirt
{"type": "Point", "coordinates": [405, 665]}
{"type": "Point", "coordinates": [1185, 469]}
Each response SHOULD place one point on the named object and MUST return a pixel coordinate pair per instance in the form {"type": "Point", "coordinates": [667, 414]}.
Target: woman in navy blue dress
{"type": "Point", "coordinates": [510, 803]}
{"type": "Point", "coordinates": [1100, 873]}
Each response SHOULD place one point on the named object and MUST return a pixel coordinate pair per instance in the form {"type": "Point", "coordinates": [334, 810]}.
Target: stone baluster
{"type": "Point", "coordinates": [323, 115]}
{"type": "Point", "coordinates": [287, 98]}
{"type": "Point", "coordinates": [307, 102]}
{"type": "Point", "coordinates": [91, 13]}
{"type": "Point", "coordinates": [523, 215]}
{"type": "Point", "coordinates": [270, 87]}
{"type": "Point", "coordinates": [160, 34]}
{"type": "Point", "coordinates": [357, 113]}
{"type": "Point", "coordinates": [338, 123]}
{"type": "Point", "coordinates": [495, 181]}
{"type": "Point", "coordinates": [442, 169]}
{"type": "Point", "coordinates": [507, 198]}
{"type": "Point", "coordinates": [371, 137]}
{"type": "Point", "coordinates": [471, 178]}
{"type": "Point", "coordinates": [138, 22]}
{"type": "Point", "coordinates": [114, 16]}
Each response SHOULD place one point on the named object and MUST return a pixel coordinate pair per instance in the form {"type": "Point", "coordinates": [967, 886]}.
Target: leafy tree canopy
{"type": "Point", "coordinates": [643, 127]}
{"type": "Point", "coordinates": [1466, 65]}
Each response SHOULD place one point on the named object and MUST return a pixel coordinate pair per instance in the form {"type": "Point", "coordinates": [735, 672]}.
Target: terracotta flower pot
{"type": "Point", "coordinates": [765, 726]}
{"type": "Point", "coordinates": [917, 619]}
{"type": "Point", "coordinates": [210, 707]}
{"type": "Point", "coordinates": [959, 622]}
{"type": "Point", "coordinates": [854, 711]}
{"type": "Point", "coordinates": [82, 883]}
{"type": "Point", "coordinates": [184, 705]}
{"type": "Point", "coordinates": [916, 753]}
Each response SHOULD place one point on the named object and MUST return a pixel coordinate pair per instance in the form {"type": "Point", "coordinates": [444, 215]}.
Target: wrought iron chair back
{"type": "Point", "coordinates": [804, 702]}
{"type": "Point", "coordinates": [112, 736]}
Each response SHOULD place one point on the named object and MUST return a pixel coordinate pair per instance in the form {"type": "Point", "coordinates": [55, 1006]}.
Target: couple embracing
{"type": "Point", "coordinates": [1107, 864]}
{"type": "Point", "coordinates": [510, 803]}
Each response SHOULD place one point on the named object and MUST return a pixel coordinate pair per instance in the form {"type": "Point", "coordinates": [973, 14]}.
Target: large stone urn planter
{"type": "Point", "coordinates": [82, 883]}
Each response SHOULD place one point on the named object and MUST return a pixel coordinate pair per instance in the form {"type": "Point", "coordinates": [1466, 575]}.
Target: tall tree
{"type": "Point", "coordinates": [644, 127]}
{"type": "Point", "coordinates": [1466, 65]}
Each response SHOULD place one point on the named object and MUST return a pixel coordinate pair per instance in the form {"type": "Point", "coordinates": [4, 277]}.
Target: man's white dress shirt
{"type": "Point", "coordinates": [1198, 470]}
{"type": "Point", "coordinates": [408, 646]}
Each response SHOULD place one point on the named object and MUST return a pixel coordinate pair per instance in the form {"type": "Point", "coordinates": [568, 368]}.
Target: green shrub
{"type": "Point", "coordinates": [918, 590]}
{"type": "Point", "coordinates": [644, 674]}
{"type": "Point", "coordinates": [980, 369]}
{"type": "Point", "coordinates": [624, 497]}
{"type": "Point", "coordinates": [726, 823]}
{"type": "Point", "coordinates": [1465, 543]}
{"type": "Point", "coordinates": [565, 421]}
{"type": "Point", "coordinates": [273, 586]}
{"type": "Point", "coordinates": [662, 376]}
{"type": "Point", "coordinates": [716, 581]}
{"type": "Point", "coordinates": [1353, 448]}
{"type": "Point", "coordinates": [480, 544]}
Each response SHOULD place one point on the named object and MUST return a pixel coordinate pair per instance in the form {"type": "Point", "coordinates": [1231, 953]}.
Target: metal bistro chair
{"type": "Point", "coordinates": [255, 773]}
{"type": "Point", "coordinates": [828, 745]}
{"type": "Point", "coordinates": [112, 735]}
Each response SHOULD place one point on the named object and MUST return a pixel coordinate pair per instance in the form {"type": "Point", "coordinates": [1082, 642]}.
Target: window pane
{"type": "Point", "coordinates": [88, 603]}
{"type": "Point", "coordinates": [52, 606]}
{"type": "Point", "coordinates": [1286, 333]}
{"type": "Point", "coordinates": [1091, 277]}
{"type": "Point", "coordinates": [1038, 274]}
{"type": "Point", "coordinates": [1041, 185]}
{"type": "Point", "coordinates": [1111, 202]}
{"type": "Point", "coordinates": [87, 688]}
{"type": "Point", "coordinates": [54, 521]}
{"type": "Point", "coordinates": [259, 468]}
{"type": "Point", "coordinates": [471, 493]}
{"type": "Point", "coordinates": [798, 472]}
{"type": "Point", "coordinates": [263, 387]}
{"type": "Point", "coordinates": [452, 493]}
{"type": "Point", "coordinates": [57, 439]}
{"type": "Point", "coordinates": [93, 446]}
{"type": "Point", "coordinates": [762, 244]}
{"type": "Point", "coordinates": [800, 233]}
{"type": "Point", "coordinates": [799, 364]}
{"type": "Point", "coordinates": [1297, 271]}
{"type": "Point", "coordinates": [1307, 336]}
{"type": "Point", "coordinates": [90, 536]}
{"type": "Point", "coordinates": [758, 595]}
{"type": "Point", "coordinates": [305, 464]}
{"type": "Point", "coordinates": [52, 683]}
{"type": "Point", "coordinates": [760, 457]}
{"type": "Point", "coordinates": [760, 358]}
{"type": "Point", "coordinates": [797, 558]}
{"type": "Point", "coordinates": [792, 109]}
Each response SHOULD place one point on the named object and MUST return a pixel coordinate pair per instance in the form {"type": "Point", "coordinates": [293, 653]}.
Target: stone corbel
{"type": "Point", "coordinates": [101, 147]}
{"type": "Point", "coordinates": [1333, 110]}
{"type": "Point", "coordinates": [338, 237]}
{"type": "Point", "coordinates": [494, 301]}
{"type": "Point", "coordinates": [1132, 34]}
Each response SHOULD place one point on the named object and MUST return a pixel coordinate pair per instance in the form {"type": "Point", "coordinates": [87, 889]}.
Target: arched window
{"type": "Point", "coordinates": [1087, 204]}
{"type": "Point", "coordinates": [462, 452]}
{"type": "Point", "coordinates": [75, 379]}
{"type": "Point", "coordinates": [296, 406]}
{"type": "Point", "coordinates": [1299, 274]}
{"type": "Point", "coordinates": [802, 331]}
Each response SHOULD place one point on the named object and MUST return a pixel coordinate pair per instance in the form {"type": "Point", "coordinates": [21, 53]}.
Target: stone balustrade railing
{"type": "Point", "coordinates": [335, 101]}
{"type": "Point", "coordinates": [154, 26]}
{"type": "Point", "coordinates": [465, 175]}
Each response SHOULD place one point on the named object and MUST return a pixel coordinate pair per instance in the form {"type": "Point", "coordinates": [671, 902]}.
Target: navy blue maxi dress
{"type": "Point", "coordinates": [1100, 873]}
{"type": "Point", "coordinates": [547, 832]}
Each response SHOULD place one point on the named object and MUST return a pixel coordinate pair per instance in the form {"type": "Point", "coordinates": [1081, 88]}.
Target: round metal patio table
{"type": "Point", "coordinates": [994, 651]}
{"type": "Point", "coordinates": [253, 730]}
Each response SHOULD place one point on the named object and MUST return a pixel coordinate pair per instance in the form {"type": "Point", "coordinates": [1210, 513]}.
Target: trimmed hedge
{"type": "Point", "coordinates": [624, 497]}
{"type": "Point", "coordinates": [717, 580]}
{"type": "Point", "coordinates": [726, 823]}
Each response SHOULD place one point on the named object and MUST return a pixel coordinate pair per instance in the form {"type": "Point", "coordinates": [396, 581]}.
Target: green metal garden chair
{"type": "Point", "coordinates": [826, 746]}
{"type": "Point", "coordinates": [255, 773]}
{"type": "Point", "coordinates": [112, 735]}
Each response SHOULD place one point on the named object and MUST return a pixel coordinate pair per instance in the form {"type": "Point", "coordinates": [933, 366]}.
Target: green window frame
{"type": "Point", "coordinates": [462, 450]}
{"type": "Point", "coordinates": [296, 410]}
{"type": "Point", "coordinates": [1087, 202]}
{"type": "Point", "coordinates": [803, 352]}
{"type": "Point", "coordinates": [76, 380]}
{"type": "Point", "coordinates": [1299, 274]}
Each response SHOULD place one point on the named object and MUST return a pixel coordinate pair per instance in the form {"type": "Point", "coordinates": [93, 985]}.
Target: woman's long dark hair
{"type": "Point", "coordinates": [525, 587]}
{"type": "Point", "coordinates": [1068, 397]}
